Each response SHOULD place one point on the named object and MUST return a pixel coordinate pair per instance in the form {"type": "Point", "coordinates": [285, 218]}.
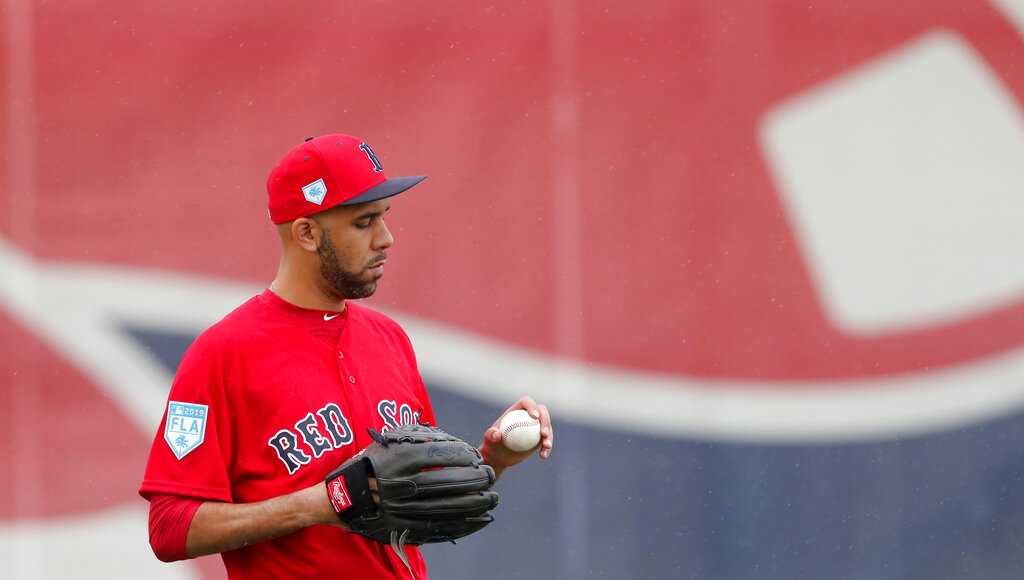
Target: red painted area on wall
{"type": "Point", "coordinates": [74, 450]}
{"type": "Point", "coordinates": [156, 128]}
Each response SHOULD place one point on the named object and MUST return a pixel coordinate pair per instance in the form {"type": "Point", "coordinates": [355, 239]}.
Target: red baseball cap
{"type": "Point", "coordinates": [328, 171]}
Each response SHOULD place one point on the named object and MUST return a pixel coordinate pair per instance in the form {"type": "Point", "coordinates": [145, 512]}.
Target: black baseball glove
{"type": "Point", "coordinates": [433, 487]}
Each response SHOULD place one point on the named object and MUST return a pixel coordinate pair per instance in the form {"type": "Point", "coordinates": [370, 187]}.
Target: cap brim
{"type": "Point", "coordinates": [387, 188]}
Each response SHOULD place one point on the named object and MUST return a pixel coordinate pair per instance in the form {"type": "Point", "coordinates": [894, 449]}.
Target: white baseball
{"type": "Point", "coordinates": [519, 431]}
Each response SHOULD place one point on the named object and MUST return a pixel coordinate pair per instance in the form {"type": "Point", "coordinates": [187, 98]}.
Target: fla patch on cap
{"type": "Point", "coordinates": [315, 192]}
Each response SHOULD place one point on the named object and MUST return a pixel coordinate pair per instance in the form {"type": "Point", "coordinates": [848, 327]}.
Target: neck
{"type": "Point", "coordinates": [294, 286]}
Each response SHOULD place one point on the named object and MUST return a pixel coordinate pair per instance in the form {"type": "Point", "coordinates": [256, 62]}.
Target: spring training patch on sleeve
{"type": "Point", "coordinates": [185, 427]}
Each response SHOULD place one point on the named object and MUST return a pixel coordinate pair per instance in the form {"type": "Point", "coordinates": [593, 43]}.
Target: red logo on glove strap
{"type": "Point", "coordinates": [338, 494]}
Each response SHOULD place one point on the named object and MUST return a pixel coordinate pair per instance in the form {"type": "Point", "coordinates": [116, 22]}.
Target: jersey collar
{"type": "Point", "coordinates": [312, 318]}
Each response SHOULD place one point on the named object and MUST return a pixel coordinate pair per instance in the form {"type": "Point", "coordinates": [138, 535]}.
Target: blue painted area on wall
{"type": "Point", "coordinates": [619, 505]}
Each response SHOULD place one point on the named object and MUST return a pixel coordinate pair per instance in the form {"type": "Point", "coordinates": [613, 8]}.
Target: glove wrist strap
{"type": "Point", "coordinates": [348, 490]}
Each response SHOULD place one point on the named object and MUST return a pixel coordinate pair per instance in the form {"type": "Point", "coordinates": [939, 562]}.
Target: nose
{"type": "Point", "coordinates": [383, 240]}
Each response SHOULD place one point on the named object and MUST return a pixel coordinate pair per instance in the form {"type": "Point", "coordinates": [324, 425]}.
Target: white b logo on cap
{"type": "Point", "coordinates": [315, 192]}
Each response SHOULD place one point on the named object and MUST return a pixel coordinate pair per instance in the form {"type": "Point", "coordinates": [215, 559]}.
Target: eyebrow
{"type": "Point", "coordinates": [371, 214]}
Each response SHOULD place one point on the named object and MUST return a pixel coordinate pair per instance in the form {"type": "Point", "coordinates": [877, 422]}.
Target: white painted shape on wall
{"type": "Point", "coordinates": [903, 182]}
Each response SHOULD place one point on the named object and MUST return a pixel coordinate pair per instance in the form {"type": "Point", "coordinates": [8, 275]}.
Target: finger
{"type": "Point", "coordinates": [547, 432]}
{"type": "Point", "coordinates": [373, 483]}
{"type": "Point", "coordinates": [493, 435]}
{"type": "Point", "coordinates": [453, 481]}
{"type": "Point", "coordinates": [529, 405]}
{"type": "Point", "coordinates": [449, 506]}
{"type": "Point", "coordinates": [441, 454]}
{"type": "Point", "coordinates": [525, 402]}
{"type": "Point", "coordinates": [545, 420]}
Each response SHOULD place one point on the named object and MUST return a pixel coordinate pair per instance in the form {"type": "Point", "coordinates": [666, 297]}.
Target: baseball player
{"type": "Point", "coordinates": [287, 391]}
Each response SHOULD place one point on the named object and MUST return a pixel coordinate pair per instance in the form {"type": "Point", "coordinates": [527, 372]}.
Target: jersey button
{"type": "Point", "coordinates": [341, 354]}
{"type": "Point", "coordinates": [351, 379]}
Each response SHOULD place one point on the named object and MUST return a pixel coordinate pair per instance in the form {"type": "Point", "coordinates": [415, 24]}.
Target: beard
{"type": "Point", "coordinates": [341, 282]}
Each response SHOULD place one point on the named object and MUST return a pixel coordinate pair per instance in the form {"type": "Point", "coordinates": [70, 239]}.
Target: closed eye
{"type": "Point", "coordinates": [363, 221]}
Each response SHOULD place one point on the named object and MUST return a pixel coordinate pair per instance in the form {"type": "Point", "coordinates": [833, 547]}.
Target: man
{"type": "Point", "coordinates": [283, 390]}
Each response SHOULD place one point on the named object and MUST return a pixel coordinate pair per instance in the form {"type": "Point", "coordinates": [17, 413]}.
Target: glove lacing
{"type": "Point", "coordinates": [398, 545]}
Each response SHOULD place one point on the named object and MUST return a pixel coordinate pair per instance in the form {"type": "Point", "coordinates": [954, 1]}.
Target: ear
{"type": "Point", "coordinates": [306, 233]}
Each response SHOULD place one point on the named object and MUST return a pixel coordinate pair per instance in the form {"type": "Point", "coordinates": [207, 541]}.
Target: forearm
{"type": "Point", "coordinates": [222, 527]}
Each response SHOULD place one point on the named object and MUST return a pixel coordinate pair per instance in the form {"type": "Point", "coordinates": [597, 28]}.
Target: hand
{"type": "Point", "coordinates": [500, 457]}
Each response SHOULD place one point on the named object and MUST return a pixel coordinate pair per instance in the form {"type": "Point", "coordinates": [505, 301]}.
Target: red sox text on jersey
{"type": "Point", "coordinates": [335, 432]}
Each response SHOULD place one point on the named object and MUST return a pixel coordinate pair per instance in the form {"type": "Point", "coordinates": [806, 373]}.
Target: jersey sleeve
{"type": "Point", "coordinates": [193, 447]}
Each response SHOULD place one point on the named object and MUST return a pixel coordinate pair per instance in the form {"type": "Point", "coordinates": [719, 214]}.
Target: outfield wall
{"type": "Point", "coordinates": [763, 262]}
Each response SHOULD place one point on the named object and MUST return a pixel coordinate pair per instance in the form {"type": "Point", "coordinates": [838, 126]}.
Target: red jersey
{"type": "Point", "coordinates": [267, 402]}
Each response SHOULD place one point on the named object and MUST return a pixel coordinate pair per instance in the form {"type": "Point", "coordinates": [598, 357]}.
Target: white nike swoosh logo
{"type": "Point", "coordinates": [331, 317]}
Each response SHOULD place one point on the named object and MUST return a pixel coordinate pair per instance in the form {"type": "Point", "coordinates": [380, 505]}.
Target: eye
{"type": "Point", "coordinates": [363, 224]}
